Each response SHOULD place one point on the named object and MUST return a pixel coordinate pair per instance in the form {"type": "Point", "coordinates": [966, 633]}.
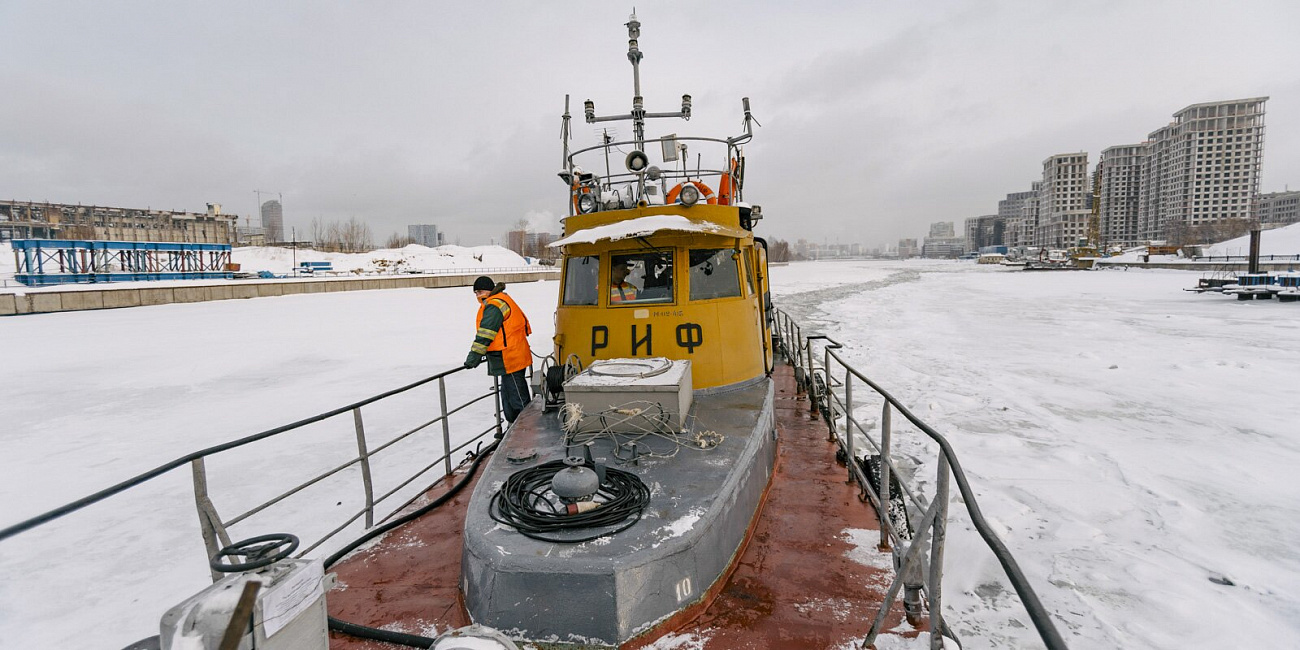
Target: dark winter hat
{"type": "Point", "coordinates": [484, 283]}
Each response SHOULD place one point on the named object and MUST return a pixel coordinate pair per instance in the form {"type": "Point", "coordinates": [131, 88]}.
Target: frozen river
{"type": "Point", "coordinates": [1131, 442]}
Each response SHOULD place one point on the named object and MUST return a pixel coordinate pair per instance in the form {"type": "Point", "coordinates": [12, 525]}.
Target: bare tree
{"type": "Point", "coordinates": [351, 236]}
{"type": "Point", "coordinates": [778, 250]}
{"type": "Point", "coordinates": [396, 240]}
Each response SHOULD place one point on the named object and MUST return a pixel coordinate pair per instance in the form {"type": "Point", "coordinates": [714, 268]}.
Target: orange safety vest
{"type": "Point", "coordinates": [512, 339]}
{"type": "Point", "coordinates": [622, 292]}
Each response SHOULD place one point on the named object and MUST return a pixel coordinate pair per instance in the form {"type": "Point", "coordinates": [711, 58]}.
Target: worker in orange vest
{"type": "Point", "coordinates": [502, 339]}
{"type": "Point", "coordinates": [620, 290]}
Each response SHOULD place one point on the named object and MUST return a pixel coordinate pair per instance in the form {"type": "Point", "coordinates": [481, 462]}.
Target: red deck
{"type": "Point", "coordinates": [810, 576]}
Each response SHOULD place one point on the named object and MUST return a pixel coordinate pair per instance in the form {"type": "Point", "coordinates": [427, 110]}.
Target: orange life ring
{"type": "Point", "coordinates": [725, 190]}
{"type": "Point", "coordinates": [705, 191]}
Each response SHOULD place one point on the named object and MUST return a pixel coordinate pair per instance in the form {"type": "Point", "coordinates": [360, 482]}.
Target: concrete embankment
{"type": "Point", "coordinates": [44, 302]}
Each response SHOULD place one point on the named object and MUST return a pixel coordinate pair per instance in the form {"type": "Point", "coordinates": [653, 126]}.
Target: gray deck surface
{"type": "Point", "coordinates": [607, 591]}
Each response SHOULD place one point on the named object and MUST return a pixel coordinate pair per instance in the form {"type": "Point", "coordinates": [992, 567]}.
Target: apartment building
{"type": "Point", "coordinates": [1279, 208]}
{"type": "Point", "coordinates": [1121, 193]}
{"type": "Point", "coordinates": [1062, 204]}
{"type": "Point", "coordinates": [1202, 168]}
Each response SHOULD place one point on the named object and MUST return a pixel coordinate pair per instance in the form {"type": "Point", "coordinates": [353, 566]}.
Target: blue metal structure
{"type": "Point", "coordinates": [42, 262]}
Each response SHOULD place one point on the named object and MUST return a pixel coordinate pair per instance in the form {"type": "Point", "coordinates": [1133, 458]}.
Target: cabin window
{"type": "Point", "coordinates": [643, 277]}
{"type": "Point", "coordinates": [714, 274]}
{"type": "Point", "coordinates": [581, 279]}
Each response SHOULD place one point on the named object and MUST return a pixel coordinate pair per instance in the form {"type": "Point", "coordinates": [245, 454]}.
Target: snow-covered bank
{"type": "Point", "coordinates": [95, 397]}
{"type": "Point", "coordinates": [412, 258]}
{"type": "Point", "coordinates": [1131, 442]}
{"type": "Point", "coordinates": [1278, 241]}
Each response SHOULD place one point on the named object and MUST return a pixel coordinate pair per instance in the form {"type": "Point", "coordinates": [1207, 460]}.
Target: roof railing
{"type": "Point", "coordinates": [829, 387]}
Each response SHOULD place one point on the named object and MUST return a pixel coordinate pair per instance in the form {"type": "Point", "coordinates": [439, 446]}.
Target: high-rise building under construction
{"type": "Point", "coordinates": [273, 221]}
{"type": "Point", "coordinates": [1203, 167]}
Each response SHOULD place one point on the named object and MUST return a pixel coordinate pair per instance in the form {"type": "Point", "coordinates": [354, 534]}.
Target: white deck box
{"type": "Point", "coordinates": [628, 384]}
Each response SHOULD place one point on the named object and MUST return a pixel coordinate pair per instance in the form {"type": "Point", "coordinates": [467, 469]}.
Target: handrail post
{"type": "Point", "coordinates": [885, 457]}
{"type": "Point", "coordinates": [798, 363]}
{"type": "Point", "coordinates": [446, 427]}
{"type": "Point", "coordinates": [496, 386]}
{"type": "Point", "coordinates": [210, 526]}
{"type": "Point", "coordinates": [848, 420]}
{"type": "Point", "coordinates": [809, 375]}
{"type": "Point", "coordinates": [936, 555]}
{"type": "Point", "coordinates": [830, 403]}
{"type": "Point", "coordinates": [365, 467]}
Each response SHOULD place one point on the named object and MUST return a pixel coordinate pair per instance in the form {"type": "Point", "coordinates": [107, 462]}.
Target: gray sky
{"type": "Point", "coordinates": [878, 117]}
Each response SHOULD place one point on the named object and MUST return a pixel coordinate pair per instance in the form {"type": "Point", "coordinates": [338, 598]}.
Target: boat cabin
{"type": "Point", "coordinates": [659, 258]}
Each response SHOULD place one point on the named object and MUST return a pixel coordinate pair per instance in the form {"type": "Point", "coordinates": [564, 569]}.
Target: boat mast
{"type": "Point", "coordinates": [638, 114]}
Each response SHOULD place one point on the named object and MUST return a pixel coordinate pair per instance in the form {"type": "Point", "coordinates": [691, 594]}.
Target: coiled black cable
{"type": "Point", "coordinates": [522, 502]}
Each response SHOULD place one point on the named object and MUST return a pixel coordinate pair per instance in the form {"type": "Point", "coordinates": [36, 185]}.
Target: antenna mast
{"type": "Point", "coordinates": [638, 114]}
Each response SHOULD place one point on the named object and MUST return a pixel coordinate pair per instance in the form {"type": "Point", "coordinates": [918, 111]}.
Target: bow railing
{"type": "Point", "coordinates": [829, 382]}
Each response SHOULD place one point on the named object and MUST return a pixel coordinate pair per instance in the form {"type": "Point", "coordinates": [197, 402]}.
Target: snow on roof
{"type": "Point", "coordinates": [643, 227]}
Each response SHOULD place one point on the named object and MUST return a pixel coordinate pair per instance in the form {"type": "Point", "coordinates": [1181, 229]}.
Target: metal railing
{"type": "Point", "coordinates": [1246, 258]}
{"type": "Point", "coordinates": [819, 383]}
{"type": "Point", "coordinates": [215, 530]}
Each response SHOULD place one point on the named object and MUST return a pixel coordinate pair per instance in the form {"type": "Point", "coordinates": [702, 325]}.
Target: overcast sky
{"type": "Point", "coordinates": [877, 117]}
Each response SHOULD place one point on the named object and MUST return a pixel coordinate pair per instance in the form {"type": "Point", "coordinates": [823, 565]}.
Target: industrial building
{"type": "Point", "coordinates": [31, 220]}
{"type": "Point", "coordinates": [1202, 168]}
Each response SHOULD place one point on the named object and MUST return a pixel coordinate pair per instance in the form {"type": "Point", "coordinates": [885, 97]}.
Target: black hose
{"type": "Point", "coordinates": [400, 638]}
{"type": "Point", "coordinates": [522, 503]}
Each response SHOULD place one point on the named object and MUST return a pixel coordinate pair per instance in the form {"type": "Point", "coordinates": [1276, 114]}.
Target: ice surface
{"type": "Point", "coordinates": [1132, 443]}
{"type": "Point", "coordinates": [95, 397]}
{"type": "Point", "coordinates": [1128, 440]}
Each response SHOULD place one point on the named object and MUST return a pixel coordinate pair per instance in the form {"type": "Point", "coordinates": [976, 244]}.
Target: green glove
{"type": "Point", "coordinates": [473, 360]}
